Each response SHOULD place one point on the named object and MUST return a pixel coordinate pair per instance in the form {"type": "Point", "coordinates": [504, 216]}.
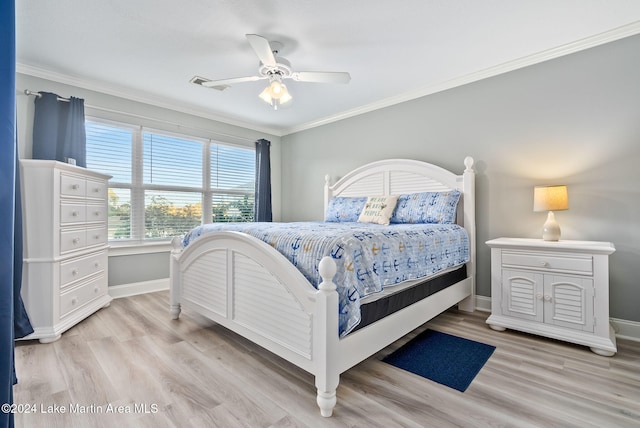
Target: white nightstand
{"type": "Point", "coordinates": [556, 289]}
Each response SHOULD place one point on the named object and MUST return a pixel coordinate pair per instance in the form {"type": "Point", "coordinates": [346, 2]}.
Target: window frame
{"type": "Point", "coordinates": [137, 187]}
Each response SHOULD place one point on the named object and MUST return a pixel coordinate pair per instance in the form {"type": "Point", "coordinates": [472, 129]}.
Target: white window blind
{"type": "Point", "coordinates": [165, 184]}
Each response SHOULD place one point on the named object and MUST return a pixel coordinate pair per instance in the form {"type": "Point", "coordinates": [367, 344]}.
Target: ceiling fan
{"type": "Point", "coordinates": [275, 69]}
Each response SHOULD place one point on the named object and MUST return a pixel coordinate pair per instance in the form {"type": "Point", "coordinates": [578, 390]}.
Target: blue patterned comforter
{"type": "Point", "coordinates": [368, 256]}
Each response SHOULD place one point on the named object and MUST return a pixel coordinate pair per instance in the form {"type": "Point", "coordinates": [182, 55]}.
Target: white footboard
{"type": "Point", "coordinates": [245, 285]}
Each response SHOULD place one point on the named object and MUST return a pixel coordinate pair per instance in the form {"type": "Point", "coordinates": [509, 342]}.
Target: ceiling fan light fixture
{"type": "Point", "coordinates": [275, 93]}
{"type": "Point", "coordinates": [286, 96]}
{"type": "Point", "coordinates": [265, 95]}
{"type": "Point", "coordinates": [276, 88]}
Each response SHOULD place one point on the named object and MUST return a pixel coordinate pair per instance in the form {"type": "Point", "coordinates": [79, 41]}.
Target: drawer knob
{"type": "Point", "coordinates": [75, 213]}
{"type": "Point", "coordinates": [97, 237]}
{"type": "Point", "coordinates": [539, 296]}
{"type": "Point", "coordinates": [74, 272]}
{"type": "Point", "coordinates": [75, 186]}
{"type": "Point", "coordinates": [76, 241]}
{"type": "Point", "coordinates": [97, 264]}
{"type": "Point", "coordinates": [97, 213]}
{"type": "Point", "coordinates": [74, 300]}
{"type": "Point", "coordinates": [544, 264]}
{"type": "Point", "coordinates": [96, 290]}
{"type": "Point", "coordinates": [96, 190]}
{"type": "Point", "coordinates": [547, 298]}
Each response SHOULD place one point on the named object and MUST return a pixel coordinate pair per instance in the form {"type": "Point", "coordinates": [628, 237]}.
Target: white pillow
{"type": "Point", "coordinates": [378, 209]}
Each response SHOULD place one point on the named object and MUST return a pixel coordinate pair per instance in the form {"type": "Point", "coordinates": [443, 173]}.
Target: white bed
{"type": "Point", "coordinates": [220, 275]}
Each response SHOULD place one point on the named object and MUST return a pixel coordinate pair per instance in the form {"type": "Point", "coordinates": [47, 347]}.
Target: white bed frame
{"type": "Point", "coordinates": [247, 286]}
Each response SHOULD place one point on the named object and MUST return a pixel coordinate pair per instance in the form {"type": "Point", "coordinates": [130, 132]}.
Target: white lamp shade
{"type": "Point", "coordinates": [550, 198]}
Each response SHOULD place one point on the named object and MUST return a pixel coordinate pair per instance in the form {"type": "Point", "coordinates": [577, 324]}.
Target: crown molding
{"type": "Point", "coordinates": [130, 95]}
{"type": "Point", "coordinates": [569, 48]}
{"type": "Point", "coordinates": [622, 32]}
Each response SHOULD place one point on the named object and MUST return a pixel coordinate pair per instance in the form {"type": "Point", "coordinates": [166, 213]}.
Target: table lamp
{"type": "Point", "coordinates": [550, 198]}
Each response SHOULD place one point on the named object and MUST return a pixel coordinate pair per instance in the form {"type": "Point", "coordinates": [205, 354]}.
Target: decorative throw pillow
{"type": "Point", "coordinates": [344, 209]}
{"type": "Point", "coordinates": [378, 209]}
{"type": "Point", "coordinates": [427, 207]}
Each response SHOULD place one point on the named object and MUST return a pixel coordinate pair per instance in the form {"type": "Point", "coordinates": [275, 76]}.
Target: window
{"type": "Point", "coordinates": [164, 184]}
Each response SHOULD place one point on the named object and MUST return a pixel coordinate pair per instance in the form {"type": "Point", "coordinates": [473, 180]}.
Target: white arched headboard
{"type": "Point", "coordinates": [398, 176]}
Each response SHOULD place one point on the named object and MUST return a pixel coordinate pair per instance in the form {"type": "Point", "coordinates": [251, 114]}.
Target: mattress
{"type": "Point", "coordinates": [372, 310]}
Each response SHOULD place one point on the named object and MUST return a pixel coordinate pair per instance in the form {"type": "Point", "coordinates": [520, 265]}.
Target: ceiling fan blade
{"type": "Point", "coordinates": [321, 76]}
{"type": "Point", "coordinates": [212, 83]}
{"type": "Point", "coordinates": [262, 48]}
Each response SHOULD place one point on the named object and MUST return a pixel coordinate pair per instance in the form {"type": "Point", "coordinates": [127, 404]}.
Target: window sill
{"type": "Point", "coordinates": [129, 248]}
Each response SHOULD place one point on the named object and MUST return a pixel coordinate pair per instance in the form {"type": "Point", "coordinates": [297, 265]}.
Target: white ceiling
{"type": "Point", "coordinates": [148, 50]}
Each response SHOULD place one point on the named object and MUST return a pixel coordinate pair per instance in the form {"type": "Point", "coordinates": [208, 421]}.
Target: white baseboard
{"type": "Point", "coordinates": [126, 290]}
{"type": "Point", "coordinates": [624, 329]}
{"type": "Point", "coordinates": [483, 303]}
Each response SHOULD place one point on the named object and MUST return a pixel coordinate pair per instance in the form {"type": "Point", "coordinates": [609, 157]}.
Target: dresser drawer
{"type": "Point", "coordinates": [96, 213]}
{"type": "Point", "coordinates": [78, 268]}
{"type": "Point", "coordinates": [97, 236]}
{"type": "Point", "coordinates": [72, 240]}
{"type": "Point", "coordinates": [72, 213]}
{"type": "Point", "coordinates": [548, 262]}
{"type": "Point", "coordinates": [97, 190]}
{"type": "Point", "coordinates": [72, 185]}
{"type": "Point", "coordinates": [75, 298]}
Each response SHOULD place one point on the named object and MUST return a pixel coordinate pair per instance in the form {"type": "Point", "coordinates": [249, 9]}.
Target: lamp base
{"type": "Point", "coordinates": [551, 228]}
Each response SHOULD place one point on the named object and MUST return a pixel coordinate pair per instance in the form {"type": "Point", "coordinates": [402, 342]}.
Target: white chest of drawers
{"type": "Point", "coordinates": [65, 269]}
{"type": "Point", "coordinates": [555, 289]}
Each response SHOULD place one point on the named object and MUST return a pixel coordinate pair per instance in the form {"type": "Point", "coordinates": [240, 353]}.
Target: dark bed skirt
{"type": "Point", "coordinates": [378, 309]}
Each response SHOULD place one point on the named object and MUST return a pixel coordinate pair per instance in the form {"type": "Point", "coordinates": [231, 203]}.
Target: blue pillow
{"type": "Point", "coordinates": [344, 209]}
{"type": "Point", "coordinates": [427, 207]}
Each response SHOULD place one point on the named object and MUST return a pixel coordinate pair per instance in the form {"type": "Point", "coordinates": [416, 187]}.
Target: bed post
{"type": "Point", "coordinates": [327, 192]}
{"type": "Point", "coordinates": [176, 282]}
{"type": "Point", "coordinates": [326, 338]}
{"type": "Point", "coordinates": [468, 188]}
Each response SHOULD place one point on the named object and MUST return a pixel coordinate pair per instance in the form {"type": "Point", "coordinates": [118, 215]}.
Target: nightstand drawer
{"type": "Point", "coordinates": [548, 262]}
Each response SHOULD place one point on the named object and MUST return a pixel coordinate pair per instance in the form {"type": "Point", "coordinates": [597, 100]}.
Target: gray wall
{"type": "Point", "coordinates": [573, 120]}
{"type": "Point", "coordinates": [126, 269]}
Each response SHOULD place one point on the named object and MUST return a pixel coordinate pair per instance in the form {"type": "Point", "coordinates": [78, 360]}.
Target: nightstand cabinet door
{"type": "Point", "coordinates": [555, 289]}
{"type": "Point", "coordinates": [568, 302]}
{"type": "Point", "coordinates": [522, 295]}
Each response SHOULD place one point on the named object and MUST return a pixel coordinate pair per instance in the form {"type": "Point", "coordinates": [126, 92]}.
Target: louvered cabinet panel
{"type": "Point", "coordinates": [557, 289]}
{"type": "Point", "coordinates": [569, 302]}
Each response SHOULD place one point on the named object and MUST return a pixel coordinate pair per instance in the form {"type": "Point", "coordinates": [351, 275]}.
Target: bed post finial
{"type": "Point", "coordinates": [468, 163]}
{"type": "Point", "coordinates": [327, 269]}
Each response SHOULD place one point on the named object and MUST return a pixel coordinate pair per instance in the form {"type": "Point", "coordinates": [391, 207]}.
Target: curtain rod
{"type": "Point", "coordinates": [208, 131]}
{"type": "Point", "coordinates": [38, 94]}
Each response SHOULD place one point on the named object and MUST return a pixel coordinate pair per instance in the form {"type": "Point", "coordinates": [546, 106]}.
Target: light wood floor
{"type": "Point", "coordinates": [194, 373]}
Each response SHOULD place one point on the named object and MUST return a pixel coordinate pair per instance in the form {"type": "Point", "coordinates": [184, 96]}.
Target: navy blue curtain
{"type": "Point", "coordinates": [58, 129]}
{"type": "Point", "coordinates": [263, 181]}
{"type": "Point", "coordinates": [10, 222]}
{"type": "Point", "coordinates": [21, 324]}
